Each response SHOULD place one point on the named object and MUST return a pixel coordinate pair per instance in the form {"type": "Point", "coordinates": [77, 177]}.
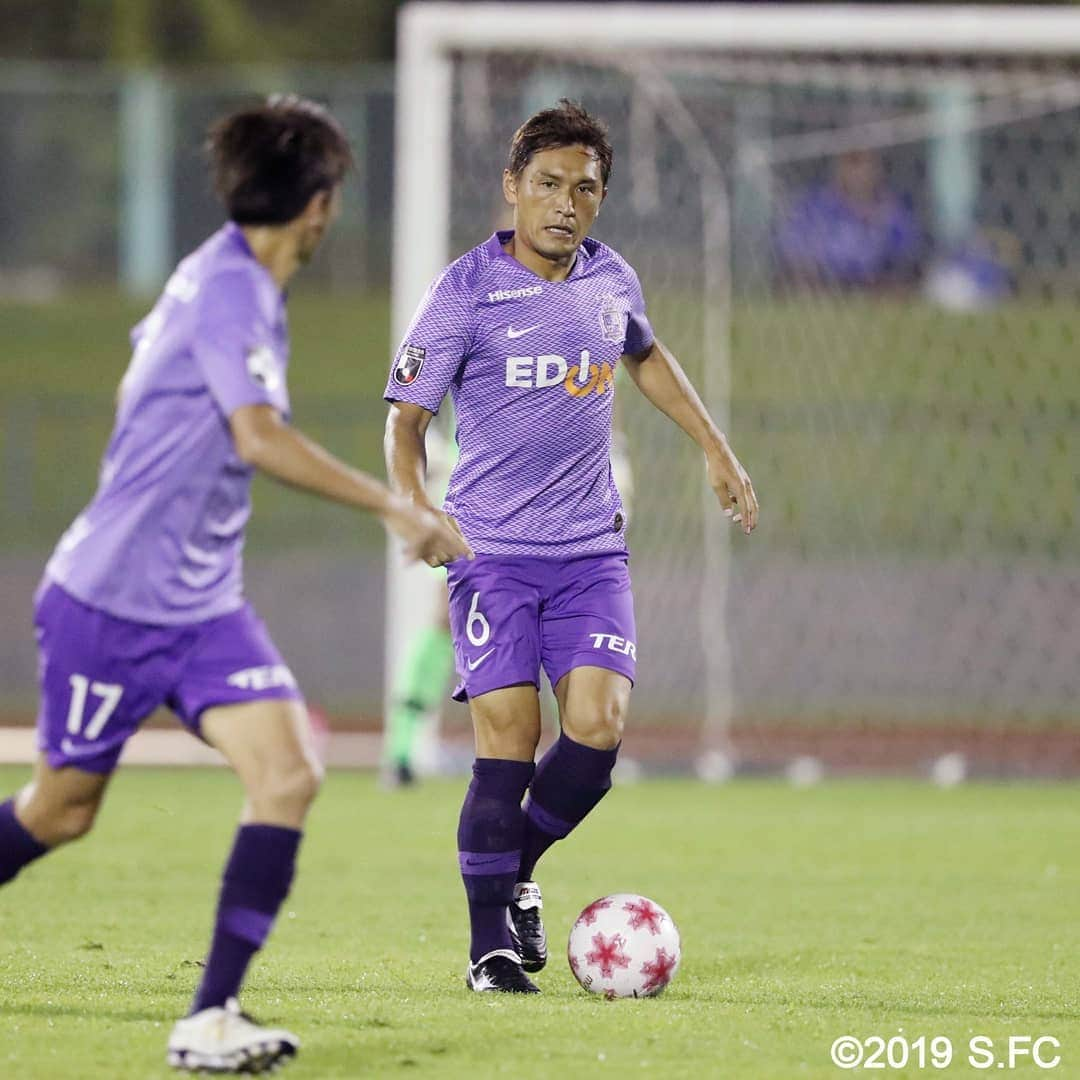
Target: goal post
{"type": "Point", "coordinates": [721, 113]}
{"type": "Point", "coordinates": [428, 33]}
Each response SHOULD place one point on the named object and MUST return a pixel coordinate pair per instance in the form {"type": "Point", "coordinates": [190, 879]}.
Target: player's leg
{"type": "Point", "coordinates": [56, 807]}
{"type": "Point", "coordinates": [268, 744]}
{"type": "Point", "coordinates": [420, 686]}
{"type": "Point", "coordinates": [491, 827]}
{"type": "Point", "coordinates": [589, 652]}
{"type": "Point", "coordinates": [571, 778]}
{"type": "Point", "coordinates": [494, 618]}
{"type": "Point", "coordinates": [575, 774]}
{"type": "Point", "coordinates": [240, 697]}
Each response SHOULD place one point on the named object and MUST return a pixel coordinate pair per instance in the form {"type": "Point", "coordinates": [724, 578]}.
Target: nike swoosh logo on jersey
{"type": "Point", "coordinates": [472, 665]}
{"type": "Point", "coordinates": [75, 750]}
{"type": "Point", "coordinates": [512, 333]}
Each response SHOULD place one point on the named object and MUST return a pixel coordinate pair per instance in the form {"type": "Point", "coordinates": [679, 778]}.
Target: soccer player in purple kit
{"type": "Point", "coordinates": [525, 332]}
{"type": "Point", "coordinates": [142, 602]}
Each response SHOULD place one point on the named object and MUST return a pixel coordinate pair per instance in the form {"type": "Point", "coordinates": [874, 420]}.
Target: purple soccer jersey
{"type": "Point", "coordinates": [161, 541]}
{"type": "Point", "coordinates": [530, 366]}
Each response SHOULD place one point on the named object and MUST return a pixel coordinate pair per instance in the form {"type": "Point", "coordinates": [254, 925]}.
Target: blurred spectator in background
{"type": "Point", "coordinates": [850, 232]}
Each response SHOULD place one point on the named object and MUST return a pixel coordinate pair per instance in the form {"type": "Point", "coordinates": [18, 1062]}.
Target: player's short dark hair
{"type": "Point", "coordinates": [270, 159]}
{"type": "Point", "coordinates": [568, 124]}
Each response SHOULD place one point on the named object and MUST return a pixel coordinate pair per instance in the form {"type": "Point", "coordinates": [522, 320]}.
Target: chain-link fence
{"type": "Point", "coordinates": [900, 378]}
{"type": "Point", "coordinates": [104, 187]}
{"type": "Point", "coordinates": [871, 266]}
{"type": "Point", "coordinates": [104, 177]}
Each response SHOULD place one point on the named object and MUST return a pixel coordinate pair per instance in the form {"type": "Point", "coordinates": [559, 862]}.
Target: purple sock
{"type": "Point", "coordinates": [570, 780]}
{"type": "Point", "coordinates": [489, 847]}
{"type": "Point", "coordinates": [255, 883]}
{"type": "Point", "coordinates": [17, 846]}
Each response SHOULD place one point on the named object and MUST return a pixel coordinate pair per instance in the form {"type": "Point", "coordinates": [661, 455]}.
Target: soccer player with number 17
{"type": "Point", "coordinates": [525, 332]}
{"type": "Point", "coordinates": [142, 603]}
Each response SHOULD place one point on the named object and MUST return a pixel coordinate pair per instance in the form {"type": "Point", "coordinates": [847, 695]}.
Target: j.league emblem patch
{"type": "Point", "coordinates": [410, 362]}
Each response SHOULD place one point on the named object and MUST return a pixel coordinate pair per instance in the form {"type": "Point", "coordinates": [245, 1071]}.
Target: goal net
{"type": "Point", "coordinates": [860, 234]}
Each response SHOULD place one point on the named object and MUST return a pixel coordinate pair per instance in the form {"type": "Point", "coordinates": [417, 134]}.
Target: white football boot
{"type": "Point", "coordinates": [225, 1040]}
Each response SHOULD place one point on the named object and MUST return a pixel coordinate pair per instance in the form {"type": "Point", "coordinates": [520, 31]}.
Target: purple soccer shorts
{"type": "Point", "coordinates": [101, 677]}
{"type": "Point", "coordinates": [510, 616]}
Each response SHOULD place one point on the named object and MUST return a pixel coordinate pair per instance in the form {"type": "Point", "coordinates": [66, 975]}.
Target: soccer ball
{"type": "Point", "coordinates": [624, 945]}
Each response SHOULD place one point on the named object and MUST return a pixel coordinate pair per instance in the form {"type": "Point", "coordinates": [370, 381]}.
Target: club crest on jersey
{"type": "Point", "coordinates": [612, 319]}
{"type": "Point", "coordinates": [263, 368]}
{"type": "Point", "coordinates": [410, 363]}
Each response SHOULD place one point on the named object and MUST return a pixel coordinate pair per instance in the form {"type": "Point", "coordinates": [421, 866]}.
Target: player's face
{"type": "Point", "coordinates": [321, 213]}
{"type": "Point", "coordinates": [556, 198]}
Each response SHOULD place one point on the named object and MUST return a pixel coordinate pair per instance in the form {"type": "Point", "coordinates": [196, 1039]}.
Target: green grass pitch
{"type": "Point", "coordinates": [852, 907]}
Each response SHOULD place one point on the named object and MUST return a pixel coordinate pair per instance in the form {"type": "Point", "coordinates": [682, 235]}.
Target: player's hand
{"type": "Point", "coordinates": [731, 482]}
{"type": "Point", "coordinates": [428, 534]}
{"type": "Point", "coordinates": [444, 552]}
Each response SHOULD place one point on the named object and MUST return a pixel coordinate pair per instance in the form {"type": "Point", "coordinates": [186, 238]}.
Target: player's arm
{"type": "Point", "coordinates": [405, 448]}
{"type": "Point", "coordinates": [436, 344]}
{"type": "Point", "coordinates": [263, 439]}
{"type": "Point", "coordinates": [406, 466]}
{"type": "Point", "coordinates": [658, 375]}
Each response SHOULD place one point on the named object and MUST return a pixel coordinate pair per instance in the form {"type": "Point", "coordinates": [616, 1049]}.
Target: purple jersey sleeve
{"type": "Point", "coordinates": [435, 345]}
{"type": "Point", "coordinates": [231, 344]}
{"type": "Point", "coordinates": [639, 331]}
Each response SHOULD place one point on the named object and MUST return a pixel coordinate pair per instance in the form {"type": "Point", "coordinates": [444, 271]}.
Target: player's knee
{"type": "Point", "coordinates": [506, 736]}
{"type": "Point", "coordinates": [291, 786]}
{"type": "Point", "coordinates": [600, 727]}
{"type": "Point", "coordinates": [53, 819]}
{"type": "Point", "coordinates": [70, 822]}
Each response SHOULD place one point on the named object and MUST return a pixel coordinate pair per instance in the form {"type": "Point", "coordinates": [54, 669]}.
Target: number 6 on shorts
{"type": "Point", "coordinates": [476, 619]}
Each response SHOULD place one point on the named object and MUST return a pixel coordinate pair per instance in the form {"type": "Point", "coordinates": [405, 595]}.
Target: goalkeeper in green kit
{"type": "Point", "coordinates": [423, 676]}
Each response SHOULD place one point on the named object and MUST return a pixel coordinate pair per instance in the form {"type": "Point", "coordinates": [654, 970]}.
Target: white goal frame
{"type": "Point", "coordinates": [429, 33]}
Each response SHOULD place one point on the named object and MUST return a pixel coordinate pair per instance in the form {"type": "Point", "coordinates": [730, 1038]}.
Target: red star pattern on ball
{"type": "Point", "coordinates": [588, 916]}
{"type": "Point", "coordinates": [644, 913]}
{"type": "Point", "coordinates": [607, 954]}
{"type": "Point", "coordinates": [657, 971]}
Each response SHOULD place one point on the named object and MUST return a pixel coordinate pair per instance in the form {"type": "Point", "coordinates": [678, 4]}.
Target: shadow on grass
{"type": "Point", "coordinates": [87, 1013]}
